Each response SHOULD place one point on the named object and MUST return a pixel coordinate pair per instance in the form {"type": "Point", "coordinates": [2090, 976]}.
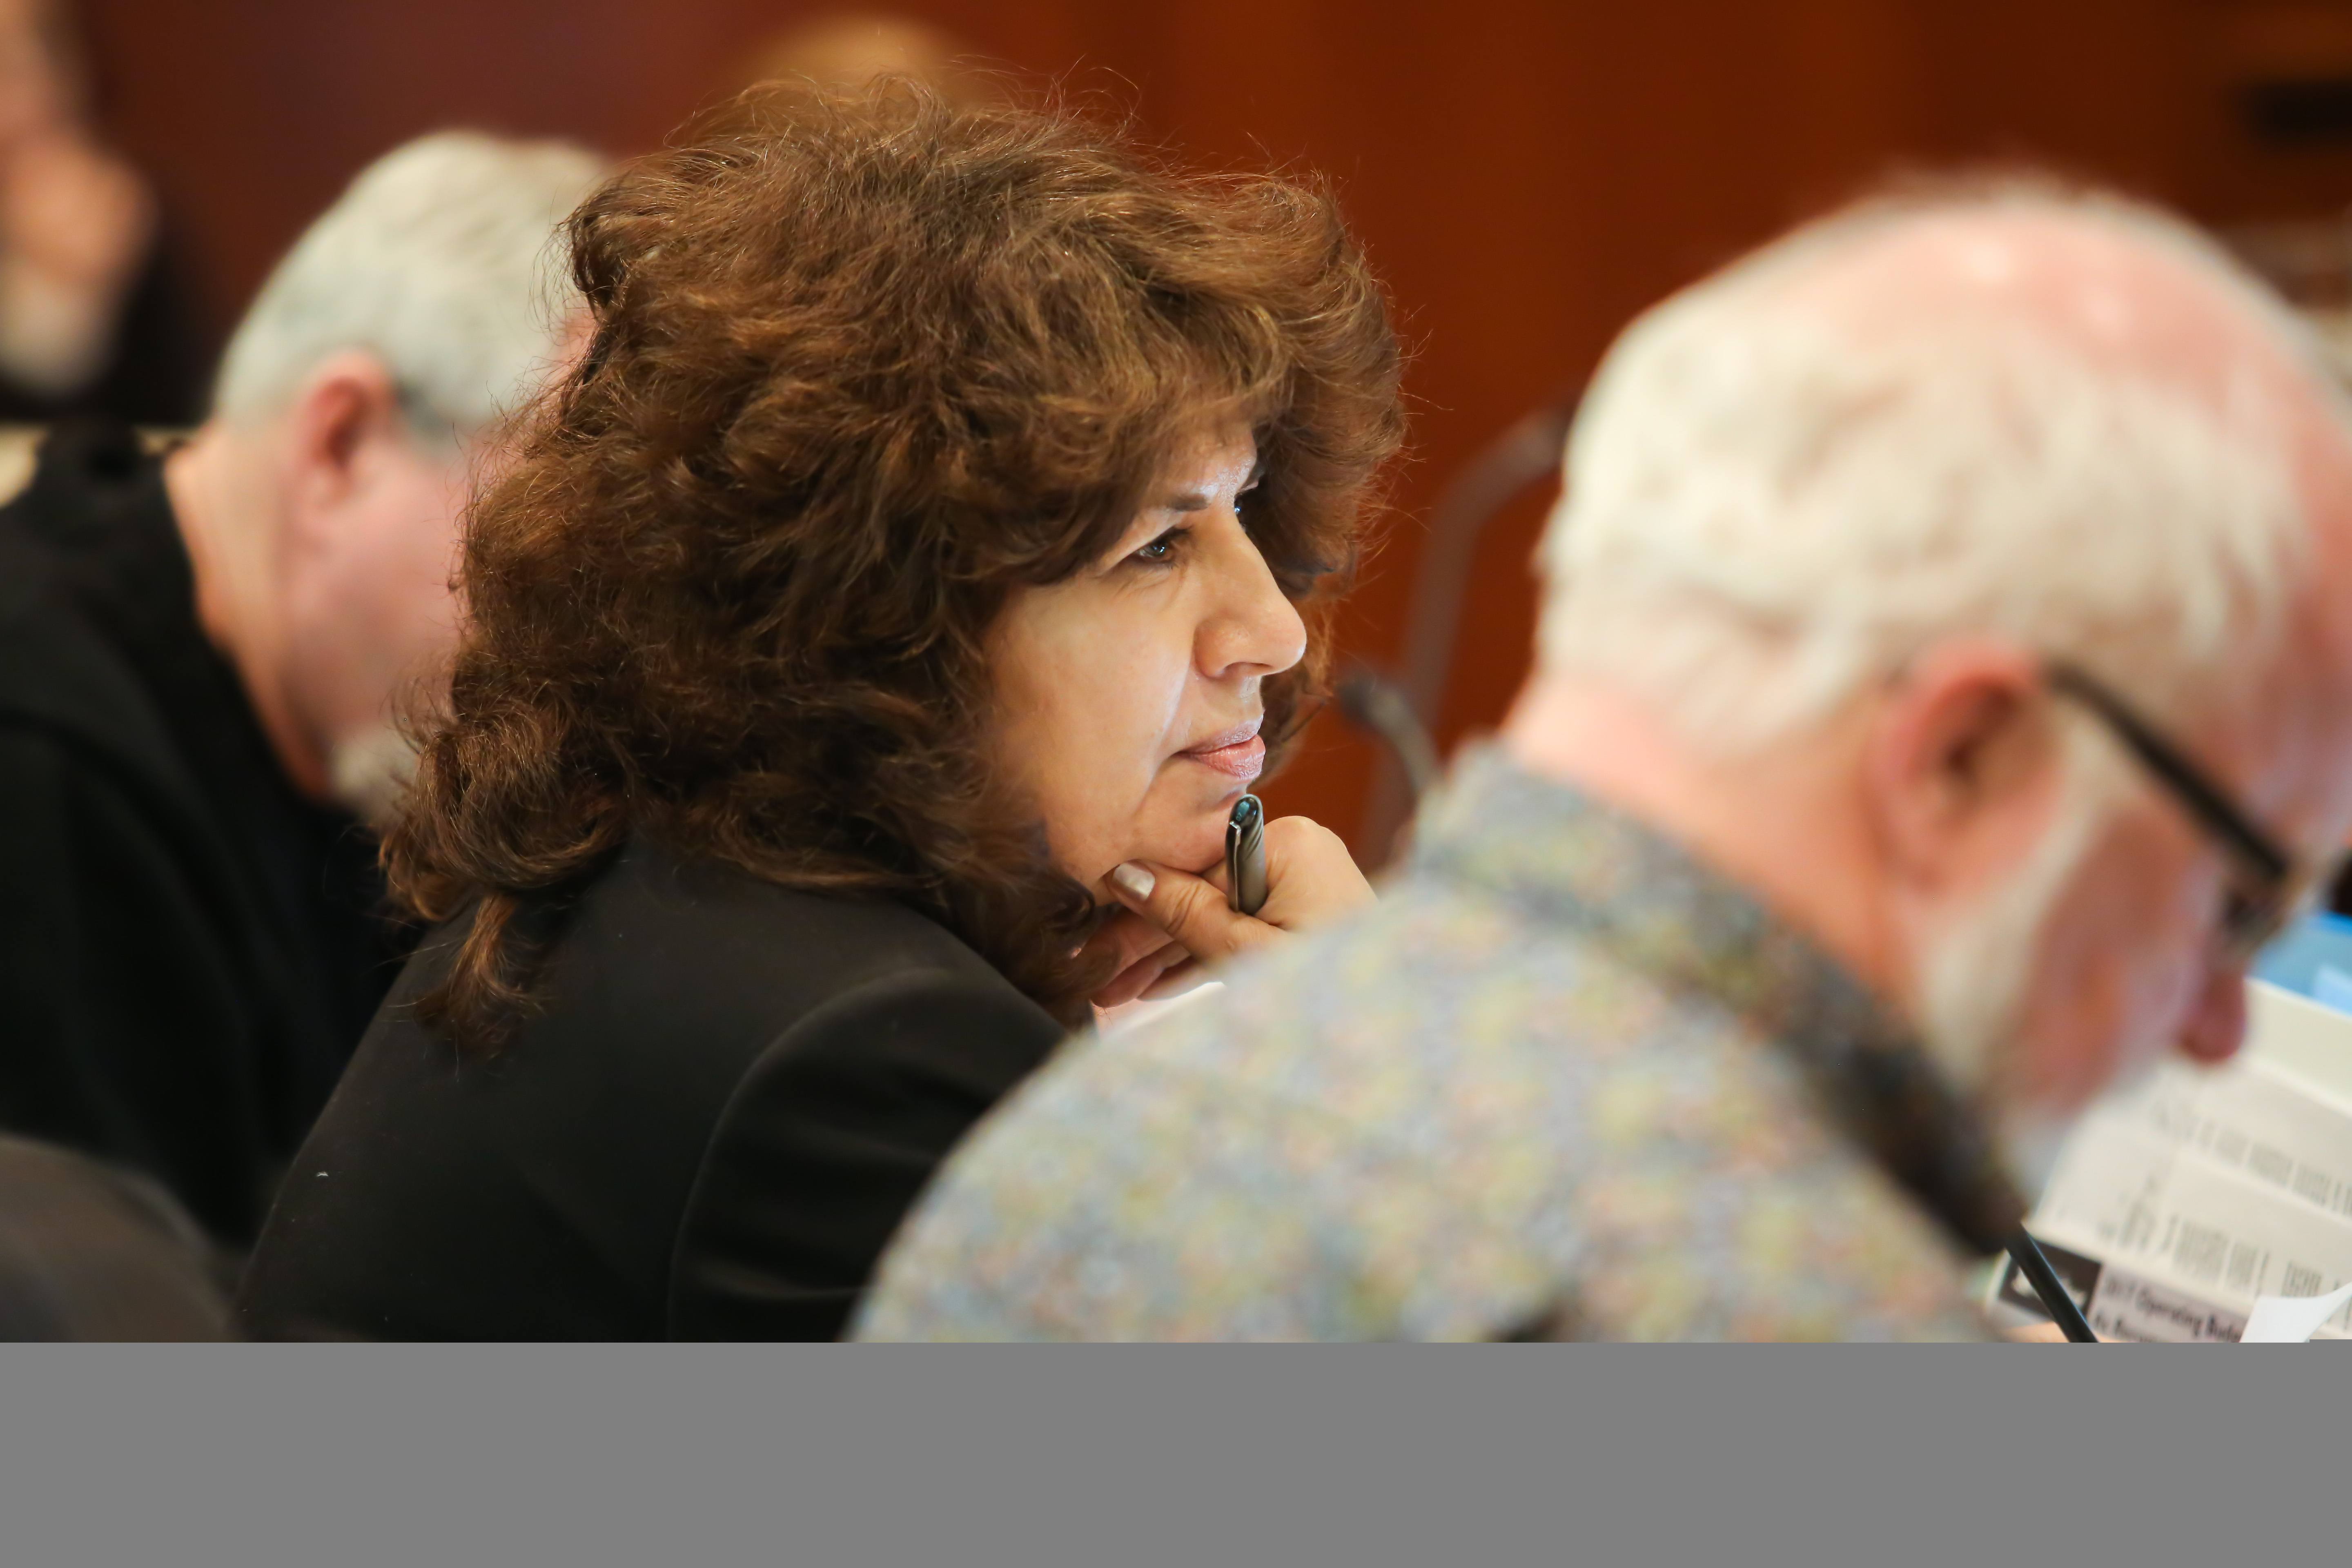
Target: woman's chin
{"type": "Point", "coordinates": [1196, 844]}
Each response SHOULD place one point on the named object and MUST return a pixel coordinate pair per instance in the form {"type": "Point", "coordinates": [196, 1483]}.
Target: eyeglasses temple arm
{"type": "Point", "coordinates": [2199, 797]}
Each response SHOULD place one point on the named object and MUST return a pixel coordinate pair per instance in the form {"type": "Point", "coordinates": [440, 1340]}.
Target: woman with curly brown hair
{"type": "Point", "coordinates": [863, 650]}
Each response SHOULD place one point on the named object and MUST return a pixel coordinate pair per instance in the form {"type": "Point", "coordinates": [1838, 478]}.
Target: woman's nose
{"type": "Point", "coordinates": [1251, 628]}
{"type": "Point", "coordinates": [2216, 1025]}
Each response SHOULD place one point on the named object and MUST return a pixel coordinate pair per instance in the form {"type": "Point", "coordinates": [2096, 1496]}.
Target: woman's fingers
{"type": "Point", "coordinates": [1186, 973]}
{"type": "Point", "coordinates": [1123, 939]}
{"type": "Point", "coordinates": [1141, 978]}
{"type": "Point", "coordinates": [1310, 876]}
{"type": "Point", "coordinates": [1190, 908]}
{"type": "Point", "coordinates": [1137, 953]}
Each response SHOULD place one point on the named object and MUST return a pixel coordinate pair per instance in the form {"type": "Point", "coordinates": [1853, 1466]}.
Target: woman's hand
{"type": "Point", "coordinates": [1177, 922]}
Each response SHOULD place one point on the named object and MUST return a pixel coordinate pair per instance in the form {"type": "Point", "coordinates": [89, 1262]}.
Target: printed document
{"type": "Point", "coordinates": [2180, 1201]}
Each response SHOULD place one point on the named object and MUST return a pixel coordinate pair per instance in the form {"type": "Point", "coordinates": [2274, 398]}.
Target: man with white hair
{"type": "Point", "coordinates": [201, 657]}
{"type": "Point", "coordinates": [1945, 681]}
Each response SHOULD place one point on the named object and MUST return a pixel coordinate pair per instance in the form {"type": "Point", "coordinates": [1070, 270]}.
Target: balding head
{"type": "Point", "coordinates": [2109, 283]}
{"type": "Point", "coordinates": [1832, 514]}
{"type": "Point", "coordinates": [2067, 420]}
{"type": "Point", "coordinates": [2121, 290]}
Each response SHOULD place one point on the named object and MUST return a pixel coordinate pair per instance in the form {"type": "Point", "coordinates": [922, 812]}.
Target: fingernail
{"type": "Point", "coordinates": [1132, 880]}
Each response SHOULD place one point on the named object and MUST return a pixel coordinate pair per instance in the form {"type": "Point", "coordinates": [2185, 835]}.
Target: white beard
{"type": "Point", "coordinates": [370, 774]}
{"type": "Point", "coordinates": [2032, 1139]}
{"type": "Point", "coordinates": [1977, 970]}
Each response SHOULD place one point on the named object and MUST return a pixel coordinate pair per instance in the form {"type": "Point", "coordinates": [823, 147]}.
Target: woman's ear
{"type": "Point", "coordinates": [1961, 764]}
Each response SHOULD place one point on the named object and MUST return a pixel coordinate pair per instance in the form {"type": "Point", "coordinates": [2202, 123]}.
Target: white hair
{"type": "Point", "coordinates": [1767, 508]}
{"type": "Point", "coordinates": [443, 260]}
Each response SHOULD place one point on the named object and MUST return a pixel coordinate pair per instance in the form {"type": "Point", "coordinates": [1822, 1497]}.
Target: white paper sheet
{"type": "Point", "coordinates": [1135, 1014]}
{"type": "Point", "coordinates": [2291, 1320]}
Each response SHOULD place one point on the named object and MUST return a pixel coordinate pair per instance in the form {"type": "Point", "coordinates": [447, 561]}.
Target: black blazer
{"type": "Point", "coordinates": [730, 1098]}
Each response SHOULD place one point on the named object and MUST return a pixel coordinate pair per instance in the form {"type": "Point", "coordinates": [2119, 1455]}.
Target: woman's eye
{"type": "Point", "coordinates": [1162, 550]}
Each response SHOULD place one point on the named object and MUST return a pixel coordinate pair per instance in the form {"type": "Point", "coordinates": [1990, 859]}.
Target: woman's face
{"type": "Point", "coordinates": [1128, 696]}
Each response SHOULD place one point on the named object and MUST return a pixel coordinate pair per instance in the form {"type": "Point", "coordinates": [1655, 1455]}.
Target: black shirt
{"type": "Point", "coordinates": [728, 1099]}
{"type": "Point", "coordinates": [189, 949]}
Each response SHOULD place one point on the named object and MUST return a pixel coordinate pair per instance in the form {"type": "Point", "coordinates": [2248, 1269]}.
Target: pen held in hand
{"type": "Point", "coordinates": [1245, 885]}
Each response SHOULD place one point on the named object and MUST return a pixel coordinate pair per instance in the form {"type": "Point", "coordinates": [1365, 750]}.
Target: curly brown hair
{"type": "Point", "coordinates": [863, 364]}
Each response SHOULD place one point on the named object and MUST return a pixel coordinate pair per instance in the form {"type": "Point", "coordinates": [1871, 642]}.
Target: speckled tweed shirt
{"type": "Point", "coordinates": [1563, 1082]}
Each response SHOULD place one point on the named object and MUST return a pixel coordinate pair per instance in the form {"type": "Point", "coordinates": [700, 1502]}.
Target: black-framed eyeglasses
{"type": "Point", "coordinates": [2267, 887]}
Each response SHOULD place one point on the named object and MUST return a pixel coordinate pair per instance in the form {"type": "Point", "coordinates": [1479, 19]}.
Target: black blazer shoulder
{"type": "Point", "coordinates": [732, 1094]}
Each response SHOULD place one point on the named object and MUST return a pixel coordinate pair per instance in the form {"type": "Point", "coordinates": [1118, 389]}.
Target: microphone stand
{"type": "Point", "coordinates": [1527, 452]}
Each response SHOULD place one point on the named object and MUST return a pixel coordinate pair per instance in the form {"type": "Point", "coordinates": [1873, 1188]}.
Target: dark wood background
{"type": "Point", "coordinates": [1529, 173]}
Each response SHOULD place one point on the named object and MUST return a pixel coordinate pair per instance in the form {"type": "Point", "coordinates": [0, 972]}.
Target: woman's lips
{"type": "Point", "coordinates": [1238, 751]}
{"type": "Point", "coordinates": [1243, 759]}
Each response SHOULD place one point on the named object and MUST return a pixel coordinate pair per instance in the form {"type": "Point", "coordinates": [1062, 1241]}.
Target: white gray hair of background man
{"type": "Point", "coordinates": [321, 501]}
{"type": "Point", "coordinates": [1830, 517]}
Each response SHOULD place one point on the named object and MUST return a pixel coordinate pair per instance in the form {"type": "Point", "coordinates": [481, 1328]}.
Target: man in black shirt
{"type": "Point", "coordinates": [201, 655]}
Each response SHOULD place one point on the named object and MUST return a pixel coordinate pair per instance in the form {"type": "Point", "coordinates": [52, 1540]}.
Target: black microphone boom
{"type": "Point", "coordinates": [1375, 703]}
{"type": "Point", "coordinates": [1523, 455]}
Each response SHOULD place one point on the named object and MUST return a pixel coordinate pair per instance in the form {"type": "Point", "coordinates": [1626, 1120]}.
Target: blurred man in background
{"type": "Point", "coordinates": [1945, 681]}
{"type": "Point", "coordinates": [848, 50]}
{"type": "Point", "coordinates": [200, 656]}
{"type": "Point", "coordinates": [94, 316]}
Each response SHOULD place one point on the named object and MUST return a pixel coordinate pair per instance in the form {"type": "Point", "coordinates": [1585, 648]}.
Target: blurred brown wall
{"type": "Point", "coordinates": [1528, 172]}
